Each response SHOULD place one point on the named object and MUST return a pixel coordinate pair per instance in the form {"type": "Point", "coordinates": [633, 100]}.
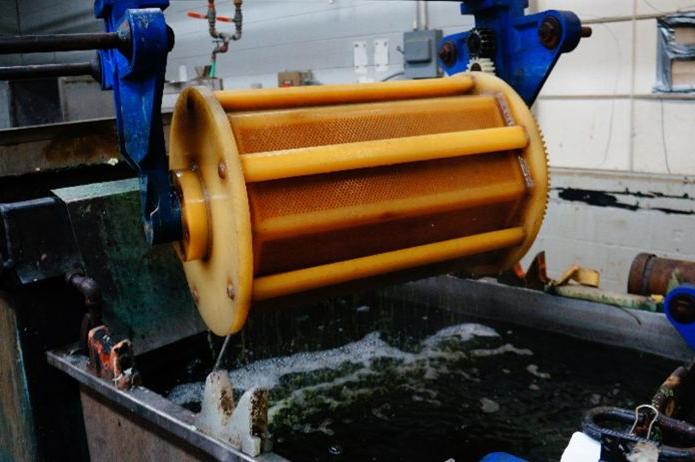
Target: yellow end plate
{"type": "Point", "coordinates": [202, 142]}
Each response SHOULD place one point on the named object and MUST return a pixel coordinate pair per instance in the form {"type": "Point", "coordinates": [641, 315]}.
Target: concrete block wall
{"type": "Point", "coordinates": [603, 219]}
{"type": "Point", "coordinates": [622, 156]}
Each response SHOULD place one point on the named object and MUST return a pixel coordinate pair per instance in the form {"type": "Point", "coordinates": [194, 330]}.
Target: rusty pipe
{"type": "Point", "coordinates": [91, 293]}
{"type": "Point", "coordinates": [37, 71]}
{"type": "Point", "coordinates": [674, 398]}
{"type": "Point", "coordinates": [12, 44]}
{"type": "Point", "coordinates": [651, 275]}
{"type": "Point", "coordinates": [223, 38]}
{"type": "Point", "coordinates": [238, 19]}
{"type": "Point", "coordinates": [86, 286]}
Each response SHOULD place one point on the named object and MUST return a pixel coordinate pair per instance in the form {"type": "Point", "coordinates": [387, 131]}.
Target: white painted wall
{"type": "Point", "coordinates": [597, 109]}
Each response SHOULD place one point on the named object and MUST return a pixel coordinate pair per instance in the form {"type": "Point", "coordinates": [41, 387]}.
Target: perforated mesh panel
{"type": "Point", "coordinates": [375, 187]}
{"type": "Point", "coordinates": [300, 128]}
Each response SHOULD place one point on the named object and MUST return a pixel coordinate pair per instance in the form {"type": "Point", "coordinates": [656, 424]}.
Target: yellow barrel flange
{"type": "Point", "coordinates": [221, 277]}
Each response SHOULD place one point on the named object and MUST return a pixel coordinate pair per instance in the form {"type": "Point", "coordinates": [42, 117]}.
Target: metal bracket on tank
{"type": "Point", "coordinates": [522, 50]}
{"type": "Point", "coordinates": [136, 76]}
{"type": "Point", "coordinates": [243, 425]}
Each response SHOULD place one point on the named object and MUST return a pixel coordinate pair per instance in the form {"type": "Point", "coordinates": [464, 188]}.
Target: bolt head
{"type": "Point", "coordinates": [222, 170]}
{"type": "Point", "coordinates": [447, 53]}
{"type": "Point", "coordinates": [683, 309]}
{"type": "Point", "coordinates": [231, 293]}
{"type": "Point", "coordinates": [550, 32]}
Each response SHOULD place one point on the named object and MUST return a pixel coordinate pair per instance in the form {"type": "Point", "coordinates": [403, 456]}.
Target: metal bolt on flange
{"type": "Point", "coordinates": [550, 32]}
{"type": "Point", "coordinates": [683, 309]}
{"type": "Point", "coordinates": [222, 170]}
{"type": "Point", "coordinates": [447, 53]}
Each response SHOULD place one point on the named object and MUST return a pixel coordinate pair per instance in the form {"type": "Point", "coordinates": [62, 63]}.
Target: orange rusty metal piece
{"type": "Point", "coordinates": [112, 360]}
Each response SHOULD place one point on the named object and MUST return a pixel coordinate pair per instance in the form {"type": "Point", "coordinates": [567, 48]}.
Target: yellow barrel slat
{"type": "Point", "coordinates": [275, 98]}
{"type": "Point", "coordinates": [298, 281]}
{"type": "Point", "coordinates": [307, 223]}
{"type": "Point", "coordinates": [288, 163]}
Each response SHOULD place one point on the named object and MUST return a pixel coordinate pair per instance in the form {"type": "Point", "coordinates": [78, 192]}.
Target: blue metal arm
{"type": "Point", "coordinates": [524, 49]}
{"type": "Point", "coordinates": [136, 77]}
{"type": "Point", "coordinates": [679, 307]}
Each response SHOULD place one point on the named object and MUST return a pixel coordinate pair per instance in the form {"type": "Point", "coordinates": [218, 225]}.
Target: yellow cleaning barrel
{"type": "Point", "coordinates": [292, 190]}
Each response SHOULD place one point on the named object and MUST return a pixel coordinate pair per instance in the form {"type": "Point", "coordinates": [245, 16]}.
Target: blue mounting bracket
{"type": "Point", "coordinates": [136, 76]}
{"type": "Point", "coordinates": [523, 49]}
{"type": "Point", "coordinates": [679, 307]}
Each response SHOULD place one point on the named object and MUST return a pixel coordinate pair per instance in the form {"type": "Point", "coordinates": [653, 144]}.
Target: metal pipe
{"type": "Point", "coordinates": [421, 16]}
{"type": "Point", "coordinates": [222, 37]}
{"type": "Point", "coordinates": [651, 275]}
{"type": "Point", "coordinates": [37, 71]}
{"type": "Point", "coordinates": [63, 42]}
{"type": "Point", "coordinates": [86, 286]}
{"type": "Point", "coordinates": [91, 293]}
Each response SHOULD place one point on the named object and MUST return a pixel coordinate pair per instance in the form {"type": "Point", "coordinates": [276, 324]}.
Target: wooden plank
{"type": "Point", "coordinates": [17, 437]}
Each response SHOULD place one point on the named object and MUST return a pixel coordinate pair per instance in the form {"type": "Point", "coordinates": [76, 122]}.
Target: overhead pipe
{"type": "Point", "coordinates": [91, 293]}
{"type": "Point", "coordinates": [64, 42]}
{"type": "Point", "coordinates": [38, 71]}
{"type": "Point", "coordinates": [421, 15]}
{"type": "Point", "coordinates": [222, 38]}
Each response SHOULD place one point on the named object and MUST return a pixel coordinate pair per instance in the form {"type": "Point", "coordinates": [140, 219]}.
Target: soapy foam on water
{"type": "Point", "coordinates": [268, 372]}
{"type": "Point", "coordinates": [506, 348]}
{"type": "Point", "coordinates": [464, 332]}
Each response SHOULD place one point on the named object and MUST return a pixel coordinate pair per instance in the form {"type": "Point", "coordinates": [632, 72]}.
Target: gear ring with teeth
{"type": "Point", "coordinates": [482, 65]}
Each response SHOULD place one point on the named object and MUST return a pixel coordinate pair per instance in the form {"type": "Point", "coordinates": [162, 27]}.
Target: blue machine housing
{"type": "Point", "coordinates": [521, 57]}
{"type": "Point", "coordinates": [501, 457]}
{"type": "Point", "coordinates": [684, 322]}
{"type": "Point", "coordinates": [137, 81]}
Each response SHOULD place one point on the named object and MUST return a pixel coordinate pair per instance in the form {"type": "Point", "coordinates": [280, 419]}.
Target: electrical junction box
{"type": "Point", "coordinates": [420, 54]}
{"type": "Point", "coordinates": [295, 78]}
